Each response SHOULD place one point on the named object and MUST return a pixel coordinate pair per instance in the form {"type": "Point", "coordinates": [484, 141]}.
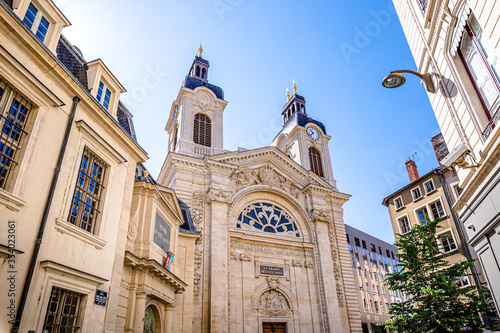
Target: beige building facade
{"type": "Point", "coordinates": [433, 196]}
{"type": "Point", "coordinates": [85, 232]}
{"type": "Point", "coordinates": [457, 42]}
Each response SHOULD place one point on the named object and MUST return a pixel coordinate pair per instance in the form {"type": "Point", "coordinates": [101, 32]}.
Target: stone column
{"type": "Point", "coordinates": [218, 284]}
{"type": "Point", "coordinates": [140, 308]}
{"type": "Point", "coordinates": [169, 310]}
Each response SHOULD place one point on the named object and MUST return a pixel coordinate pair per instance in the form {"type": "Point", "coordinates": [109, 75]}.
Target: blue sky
{"type": "Point", "coordinates": [337, 52]}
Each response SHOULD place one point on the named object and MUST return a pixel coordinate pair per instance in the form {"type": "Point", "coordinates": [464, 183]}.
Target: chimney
{"type": "Point", "coordinates": [440, 147]}
{"type": "Point", "coordinates": [412, 170]}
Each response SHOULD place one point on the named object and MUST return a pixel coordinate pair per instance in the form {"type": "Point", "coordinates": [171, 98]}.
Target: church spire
{"type": "Point", "coordinates": [200, 51]}
{"type": "Point", "coordinates": [294, 104]}
{"type": "Point", "coordinates": [199, 69]}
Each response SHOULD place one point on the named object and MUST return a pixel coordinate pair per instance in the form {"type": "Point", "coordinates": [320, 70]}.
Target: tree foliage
{"type": "Point", "coordinates": [436, 301]}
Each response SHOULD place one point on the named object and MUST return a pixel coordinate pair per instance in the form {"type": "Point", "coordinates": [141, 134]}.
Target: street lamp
{"type": "Point", "coordinates": [396, 79]}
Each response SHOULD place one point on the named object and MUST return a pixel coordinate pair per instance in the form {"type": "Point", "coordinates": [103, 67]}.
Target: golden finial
{"type": "Point", "coordinates": [200, 50]}
{"type": "Point", "coordinates": [287, 95]}
{"type": "Point", "coordinates": [294, 87]}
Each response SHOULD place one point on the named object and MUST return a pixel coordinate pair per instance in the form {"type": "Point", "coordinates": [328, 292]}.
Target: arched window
{"type": "Point", "coordinates": [315, 160]}
{"type": "Point", "coordinates": [267, 218]}
{"type": "Point", "coordinates": [175, 139]}
{"type": "Point", "coordinates": [203, 72]}
{"type": "Point", "coordinates": [202, 133]}
{"type": "Point", "coordinates": [197, 72]}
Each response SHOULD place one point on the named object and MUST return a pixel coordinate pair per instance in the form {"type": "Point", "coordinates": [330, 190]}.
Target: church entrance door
{"type": "Point", "coordinates": [274, 327]}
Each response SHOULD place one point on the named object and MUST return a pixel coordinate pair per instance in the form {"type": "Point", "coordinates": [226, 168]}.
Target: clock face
{"type": "Point", "coordinates": [313, 133]}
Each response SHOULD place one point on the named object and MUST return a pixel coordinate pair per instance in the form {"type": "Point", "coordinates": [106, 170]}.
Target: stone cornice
{"type": "Point", "coordinates": [155, 191]}
{"type": "Point", "coordinates": [250, 157]}
{"type": "Point", "coordinates": [490, 161]}
{"type": "Point", "coordinates": [158, 270]}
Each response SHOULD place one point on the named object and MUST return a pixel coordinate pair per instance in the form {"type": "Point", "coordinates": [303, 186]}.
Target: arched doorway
{"type": "Point", "coordinates": [151, 320]}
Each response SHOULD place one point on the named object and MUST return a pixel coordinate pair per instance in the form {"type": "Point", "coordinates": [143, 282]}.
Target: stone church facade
{"type": "Point", "coordinates": [272, 249]}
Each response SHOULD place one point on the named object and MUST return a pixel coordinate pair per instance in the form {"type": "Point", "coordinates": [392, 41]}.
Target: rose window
{"type": "Point", "coordinates": [268, 218]}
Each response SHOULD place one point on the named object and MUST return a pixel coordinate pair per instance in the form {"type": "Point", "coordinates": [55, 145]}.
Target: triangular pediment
{"type": "Point", "coordinates": [270, 166]}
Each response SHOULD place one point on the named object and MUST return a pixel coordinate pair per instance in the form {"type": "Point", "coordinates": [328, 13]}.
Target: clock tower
{"type": "Point", "coordinates": [304, 139]}
{"type": "Point", "coordinates": [195, 122]}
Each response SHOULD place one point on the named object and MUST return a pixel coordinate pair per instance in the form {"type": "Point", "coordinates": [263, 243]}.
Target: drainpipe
{"type": "Point", "coordinates": [43, 223]}
{"type": "Point", "coordinates": [458, 226]}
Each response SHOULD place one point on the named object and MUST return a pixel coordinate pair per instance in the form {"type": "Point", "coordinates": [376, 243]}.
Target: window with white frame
{"type": "Point", "coordinates": [416, 193]}
{"type": "Point", "coordinates": [482, 65]}
{"type": "Point", "coordinates": [422, 215]}
{"type": "Point", "coordinates": [448, 242]}
{"type": "Point", "coordinates": [429, 186]}
{"type": "Point", "coordinates": [404, 224]}
{"type": "Point", "coordinates": [36, 22]}
{"type": "Point", "coordinates": [365, 304]}
{"type": "Point", "coordinates": [15, 110]}
{"type": "Point", "coordinates": [437, 209]}
{"type": "Point", "coordinates": [103, 95]}
{"type": "Point", "coordinates": [62, 311]}
{"type": "Point", "coordinates": [398, 202]}
{"type": "Point", "coordinates": [376, 307]}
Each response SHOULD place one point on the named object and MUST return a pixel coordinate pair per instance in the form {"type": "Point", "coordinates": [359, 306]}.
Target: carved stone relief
{"type": "Point", "coordinates": [219, 195]}
{"type": "Point", "coordinates": [274, 304]}
{"type": "Point", "coordinates": [265, 176]}
{"type": "Point", "coordinates": [197, 209]}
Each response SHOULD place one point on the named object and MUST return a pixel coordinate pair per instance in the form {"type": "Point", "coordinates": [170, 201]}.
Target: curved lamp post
{"type": "Point", "coordinates": [396, 79]}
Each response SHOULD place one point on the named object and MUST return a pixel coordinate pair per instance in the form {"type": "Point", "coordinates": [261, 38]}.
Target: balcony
{"type": "Point", "coordinates": [202, 150]}
{"type": "Point", "coordinates": [491, 125]}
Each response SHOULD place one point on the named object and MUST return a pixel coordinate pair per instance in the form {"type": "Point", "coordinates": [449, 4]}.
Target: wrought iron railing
{"type": "Point", "coordinates": [491, 125]}
{"type": "Point", "coordinates": [423, 4]}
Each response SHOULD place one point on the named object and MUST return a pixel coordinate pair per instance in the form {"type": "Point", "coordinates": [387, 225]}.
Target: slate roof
{"type": "Point", "coordinates": [193, 83]}
{"type": "Point", "coordinates": [200, 59]}
{"type": "Point", "coordinates": [188, 225]}
{"type": "Point", "coordinates": [125, 119]}
{"type": "Point", "coordinates": [72, 60]}
{"type": "Point", "coordinates": [8, 2]}
{"type": "Point", "coordinates": [303, 120]}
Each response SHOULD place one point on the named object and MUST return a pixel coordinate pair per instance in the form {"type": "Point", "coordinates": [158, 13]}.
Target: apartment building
{"type": "Point", "coordinates": [372, 259]}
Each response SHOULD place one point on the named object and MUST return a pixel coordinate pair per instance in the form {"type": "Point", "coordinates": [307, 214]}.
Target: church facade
{"type": "Point", "coordinates": [272, 255]}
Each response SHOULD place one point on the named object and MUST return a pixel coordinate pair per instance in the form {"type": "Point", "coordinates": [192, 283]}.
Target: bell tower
{"type": "Point", "coordinates": [196, 116]}
{"type": "Point", "coordinates": [303, 138]}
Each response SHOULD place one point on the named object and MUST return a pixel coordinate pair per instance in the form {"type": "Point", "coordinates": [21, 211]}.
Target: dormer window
{"type": "Point", "coordinates": [35, 21]}
{"type": "Point", "coordinates": [103, 95]}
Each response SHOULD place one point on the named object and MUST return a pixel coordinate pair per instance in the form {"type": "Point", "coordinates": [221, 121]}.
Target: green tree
{"type": "Point", "coordinates": [436, 302]}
